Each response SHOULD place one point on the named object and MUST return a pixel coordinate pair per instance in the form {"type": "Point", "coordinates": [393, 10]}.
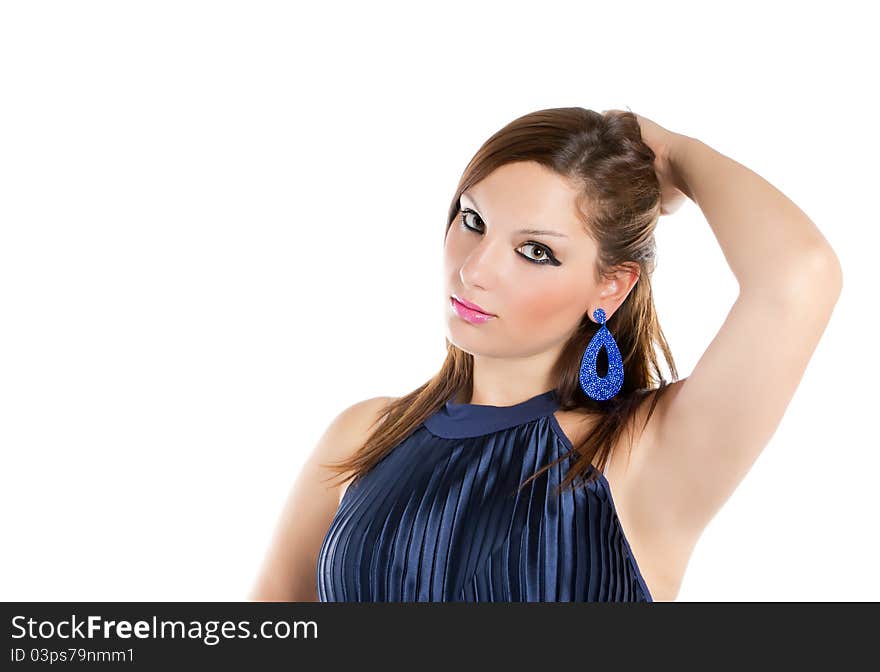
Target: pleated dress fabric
{"type": "Point", "coordinates": [439, 518]}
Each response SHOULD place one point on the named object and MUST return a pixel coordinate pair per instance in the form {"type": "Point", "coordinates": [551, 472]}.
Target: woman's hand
{"type": "Point", "coordinates": [662, 141]}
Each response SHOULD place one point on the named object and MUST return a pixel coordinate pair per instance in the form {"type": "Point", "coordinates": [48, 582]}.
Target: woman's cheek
{"type": "Point", "coordinates": [551, 309]}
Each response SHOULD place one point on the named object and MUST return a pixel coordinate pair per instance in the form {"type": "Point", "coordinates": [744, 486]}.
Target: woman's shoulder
{"type": "Point", "coordinates": [349, 431]}
{"type": "Point", "coordinates": [366, 410]}
{"type": "Point", "coordinates": [352, 425]}
{"type": "Point", "coordinates": [576, 423]}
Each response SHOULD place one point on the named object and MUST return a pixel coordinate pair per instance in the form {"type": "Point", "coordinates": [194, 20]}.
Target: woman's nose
{"type": "Point", "coordinates": [482, 265]}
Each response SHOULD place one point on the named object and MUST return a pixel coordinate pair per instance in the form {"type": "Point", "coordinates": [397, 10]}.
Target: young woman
{"type": "Point", "coordinates": [493, 481]}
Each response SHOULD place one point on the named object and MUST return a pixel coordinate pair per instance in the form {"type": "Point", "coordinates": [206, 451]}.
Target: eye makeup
{"type": "Point", "coordinates": [547, 256]}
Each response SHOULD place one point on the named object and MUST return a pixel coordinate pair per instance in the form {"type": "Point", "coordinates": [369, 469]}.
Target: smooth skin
{"type": "Point", "coordinates": [289, 571]}
{"type": "Point", "coordinates": [706, 431]}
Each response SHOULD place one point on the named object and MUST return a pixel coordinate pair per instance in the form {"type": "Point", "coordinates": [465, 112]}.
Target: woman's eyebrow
{"type": "Point", "coordinates": [542, 232]}
{"type": "Point", "coordinates": [531, 232]}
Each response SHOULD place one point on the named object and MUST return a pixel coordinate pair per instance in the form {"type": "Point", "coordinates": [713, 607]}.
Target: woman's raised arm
{"type": "Point", "coordinates": [712, 425]}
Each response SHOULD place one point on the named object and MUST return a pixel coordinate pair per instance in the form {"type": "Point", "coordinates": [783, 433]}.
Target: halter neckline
{"type": "Point", "coordinates": [454, 420]}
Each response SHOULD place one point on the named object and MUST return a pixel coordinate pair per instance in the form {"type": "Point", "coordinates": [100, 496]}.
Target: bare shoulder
{"type": "Point", "coordinates": [350, 428]}
{"type": "Point", "coordinates": [288, 571]}
{"type": "Point", "coordinates": [577, 423]}
{"type": "Point", "coordinates": [348, 431]}
{"type": "Point", "coordinates": [638, 439]}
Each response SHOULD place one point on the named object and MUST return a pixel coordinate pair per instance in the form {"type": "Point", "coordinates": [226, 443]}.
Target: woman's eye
{"type": "Point", "coordinates": [542, 255]}
{"type": "Point", "coordinates": [464, 215]}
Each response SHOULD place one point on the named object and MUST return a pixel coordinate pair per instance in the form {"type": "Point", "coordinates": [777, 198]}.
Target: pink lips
{"type": "Point", "coordinates": [469, 312]}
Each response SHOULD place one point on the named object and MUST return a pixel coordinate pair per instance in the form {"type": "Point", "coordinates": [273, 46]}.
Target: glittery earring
{"type": "Point", "coordinates": [594, 386]}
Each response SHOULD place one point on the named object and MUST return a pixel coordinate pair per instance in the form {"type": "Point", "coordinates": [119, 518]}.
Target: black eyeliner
{"type": "Point", "coordinates": [551, 258]}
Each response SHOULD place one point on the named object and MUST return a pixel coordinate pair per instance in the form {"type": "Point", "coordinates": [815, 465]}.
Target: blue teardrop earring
{"type": "Point", "coordinates": [594, 386]}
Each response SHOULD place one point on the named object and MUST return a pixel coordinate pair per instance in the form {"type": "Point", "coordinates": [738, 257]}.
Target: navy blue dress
{"type": "Point", "coordinates": [438, 519]}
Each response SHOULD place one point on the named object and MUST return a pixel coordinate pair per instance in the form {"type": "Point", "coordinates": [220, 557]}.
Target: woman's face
{"type": "Point", "coordinates": [539, 286]}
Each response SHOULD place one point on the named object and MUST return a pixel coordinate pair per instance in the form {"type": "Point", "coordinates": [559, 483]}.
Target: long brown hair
{"type": "Point", "coordinates": [619, 204]}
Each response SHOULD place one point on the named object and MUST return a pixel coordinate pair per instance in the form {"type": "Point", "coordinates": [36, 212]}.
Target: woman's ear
{"type": "Point", "coordinates": [616, 287]}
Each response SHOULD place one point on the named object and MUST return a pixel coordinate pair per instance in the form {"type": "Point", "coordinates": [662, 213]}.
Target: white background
{"type": "Point", "coordinates": [206, 209]}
